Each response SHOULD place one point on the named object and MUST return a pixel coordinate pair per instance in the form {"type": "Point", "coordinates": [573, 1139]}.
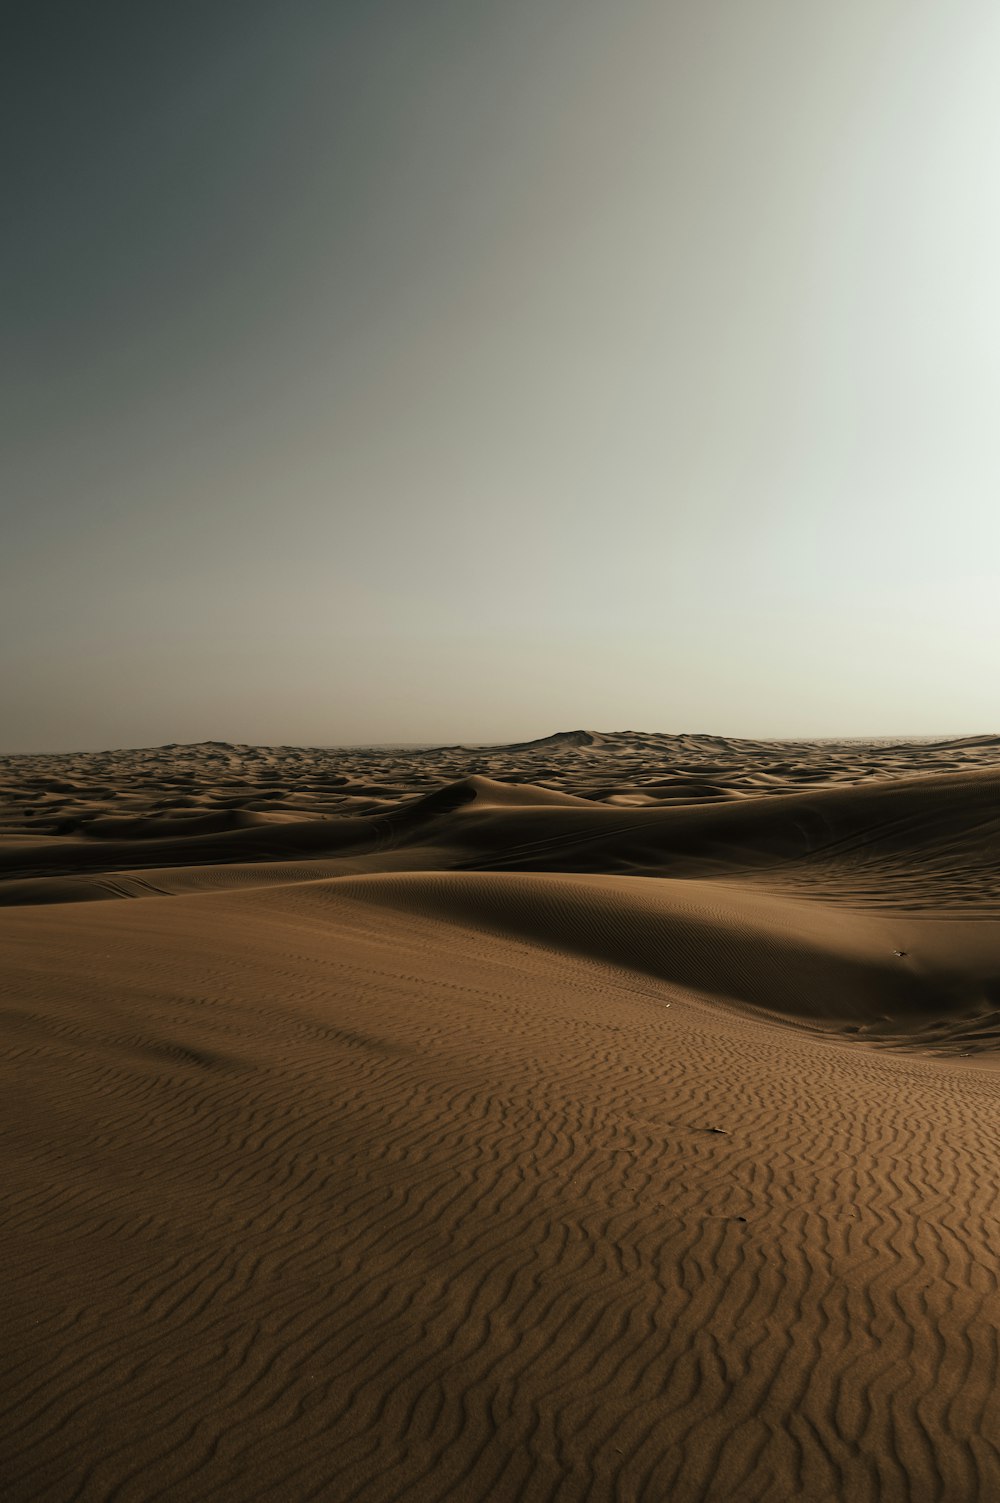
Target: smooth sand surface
{"type": "Point", "coordinates": [614, 1116]}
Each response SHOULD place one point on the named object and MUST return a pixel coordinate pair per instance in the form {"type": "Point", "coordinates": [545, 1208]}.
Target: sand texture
{"type": "Point", "coordinates": [608, 1117]}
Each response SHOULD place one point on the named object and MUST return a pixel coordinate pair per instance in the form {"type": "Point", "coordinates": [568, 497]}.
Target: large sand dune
{"type": "Point", "coordinates": [612, 1116]}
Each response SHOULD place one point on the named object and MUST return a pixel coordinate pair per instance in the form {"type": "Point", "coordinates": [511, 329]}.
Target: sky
{"type": "Point", "coordinates": [457, 370]}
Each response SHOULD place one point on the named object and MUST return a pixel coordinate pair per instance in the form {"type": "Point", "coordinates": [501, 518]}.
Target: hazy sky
{"type": "Point", "coordinates": [471, 369]}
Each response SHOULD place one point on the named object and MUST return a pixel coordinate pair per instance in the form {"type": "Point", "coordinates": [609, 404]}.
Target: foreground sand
{"type": "Point", "coordinates": [611, 1118]}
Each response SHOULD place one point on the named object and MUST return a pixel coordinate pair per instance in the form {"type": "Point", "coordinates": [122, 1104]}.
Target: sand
{"type": "Point", "coordinates": [605, 1117]}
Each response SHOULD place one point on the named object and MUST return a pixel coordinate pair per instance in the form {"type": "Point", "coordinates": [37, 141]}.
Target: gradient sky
{"type": "Point", "coordinates": [470, 369]}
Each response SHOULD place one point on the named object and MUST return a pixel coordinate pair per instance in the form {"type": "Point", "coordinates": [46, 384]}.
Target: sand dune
{"type": "Point", "coordinates": [885, 975]}
{"type": "Point", "coordinates": [611, 1116]}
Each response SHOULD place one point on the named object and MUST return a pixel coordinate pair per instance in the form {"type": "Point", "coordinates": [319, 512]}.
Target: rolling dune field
{"type": "Point", "coordinates": [607, 1117]}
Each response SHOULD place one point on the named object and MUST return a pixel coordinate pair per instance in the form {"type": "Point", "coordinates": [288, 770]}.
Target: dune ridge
{"type": "Point", "coordinates": [610, 1116]}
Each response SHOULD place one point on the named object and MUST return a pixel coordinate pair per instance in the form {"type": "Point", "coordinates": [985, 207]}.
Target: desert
{"type": "Point", "coordinates": [414, 1089]}
{"type": "Point", "coordinates": [608, 1116]}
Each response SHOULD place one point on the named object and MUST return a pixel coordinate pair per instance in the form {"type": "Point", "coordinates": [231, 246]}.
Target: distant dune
{"type": "Point", "coordinates": [609, 1116]}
